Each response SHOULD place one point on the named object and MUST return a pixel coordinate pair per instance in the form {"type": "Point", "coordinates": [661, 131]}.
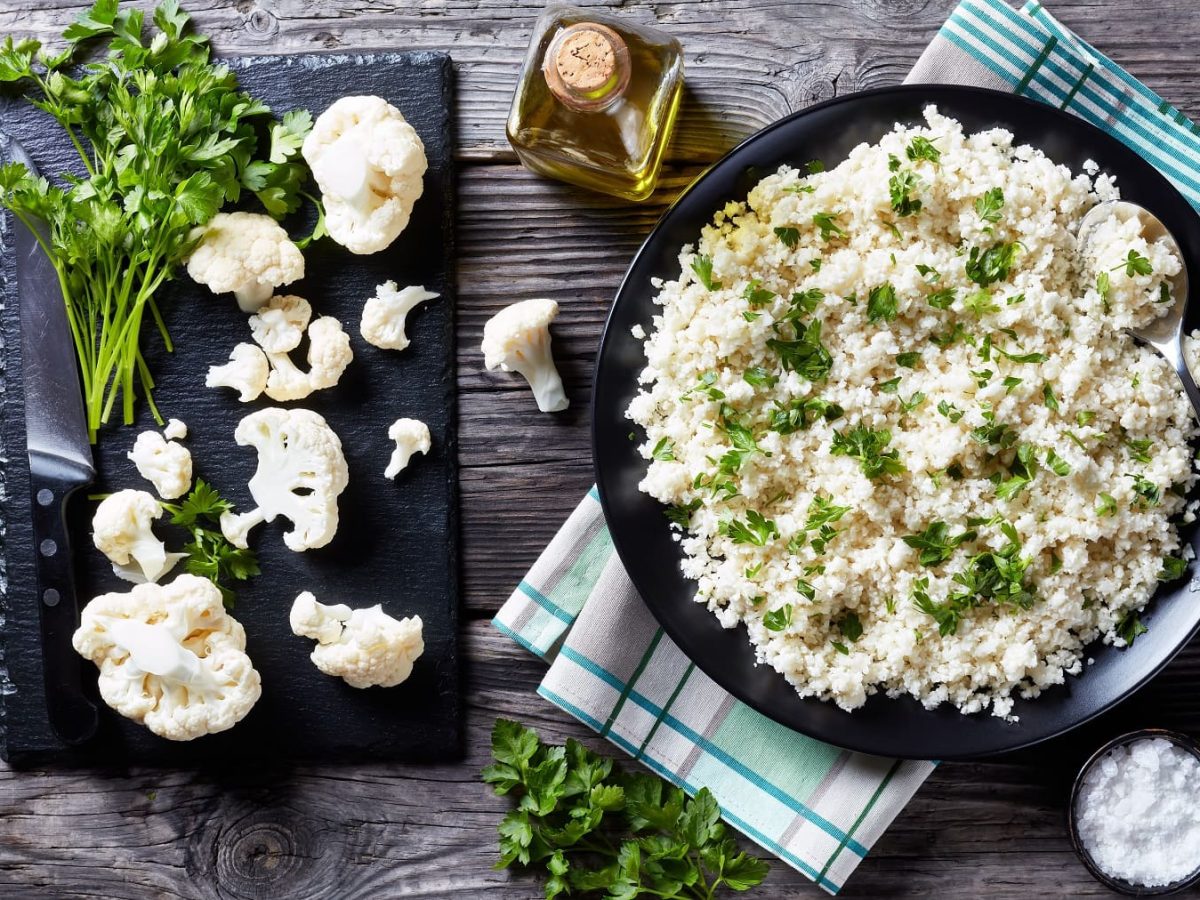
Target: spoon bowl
{"type": "Point", "coordinates": [1165, 333]}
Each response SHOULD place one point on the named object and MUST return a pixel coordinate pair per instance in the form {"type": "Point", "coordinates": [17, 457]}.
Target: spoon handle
{"type": "Point", "coordinates": [1189, 383]}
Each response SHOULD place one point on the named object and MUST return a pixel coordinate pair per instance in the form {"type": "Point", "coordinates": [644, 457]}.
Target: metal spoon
{"type": "Point", "coordinates": [1164, 334]}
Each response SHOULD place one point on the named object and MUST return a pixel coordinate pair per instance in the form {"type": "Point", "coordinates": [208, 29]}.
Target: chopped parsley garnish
{"type": "Point", "coordinates": [1057, 464]}
{"type": "Point", "coordinates": [664, 450]}
{"type": "Point", "coordinates": [759, 377]}
{"type": "Point", "coordinates": [1149, 493]}
{"type": "Point", "coordinates": [790, 236]}
{"type": "Point", "coordinates": [805, 589]}
{"type": "Point", "coordinates": [751, 316]}
{"type": "Point", "coordinates": [827, 223]}
{"type": "Point", "coordinates": [822, 514]}
{"type": "Point", "coordinates": [1139, 450]}
{"type": "Point", "coordinates": [993, 433]}
{"type": "Point", "coordinates": [912, 402]}
{"type": "Point", "coordinates": [982, 377]}
{"type": "Point", "coordinates": [929, 273]}
{"type": "Point", "coordinates": [868, 447]}
{"type": "Point", "coordinates": [702, 266]}
{"type": "Point", "coordinates": [1103, 284]}
{"type": "Point", "coordinates": [800, 189]}
{"type": "Point", "coordinates": [799, 414]}
{"type": "Point", "coordinates": [1164, 293]}
{"type": "Point", "coordinates": [1173, 568]}
{"type": "Point", "coordinates": [951, 337]}
{"type": "Point", "coordinates": [881, 303]}
{"type": "Point", "coordinates": [1021, 472]}
{"type": "Point", "coordinates": [1048, 397]}
{"type": "Point", "coordinates": [1010, 383]}
{"type": "Point", "coordinates": [756, 295]}
{"type": "Point", "coordinates": [1134, 264]}
{"type": "Point", "coordinates": [778, 619]}
{"type": "Point", "coordinates": [1084, 417]}
{"type": "Point", "coordinates": [941, 299]}
{"type": "Point", "coordinates": [756, 530]}
{"type": "Point", "coordinates": [1014, 300]}
{"type": "Point", "coordinates": [1130, 627]}
{"type": "Point", "coordinates": [803, 303]}
{"type": "Point", "coordinates": [979, 303]}
{"type": "Point", "coordinates": [744, 444]}
{"type": "Point", "coordinates": [923, 148]}
{"type": "Point", "coordinates": [988, 206]}
{"type": "Point", "coordinates": [851, 627]}
{"type": "Point", "coordinates": [805, 354]}
{"type": "Point", "coordinates": [816, 264]}
{"type": "Point", "coordinates": [1107, 505]}
{"type": "Point", "coordinates": [908, 360]}
{"type": "Point", "coordinates": [901, 187]}
{"type": "Point", "coordinates": [814, 166]}
{"type": "Point", "coordinates": [950, 411]}
{"type": "Point", "coordinates": [992, 264]}
{"type": "Point", "coordinates": [209, 553]}
{"type": "Point", "coordinates": [705, 386]}
{"type": "Point", "coordinates": [936, 543]}
{"type": "Point", "coordinates": [681, 513]}
{"type": "Point", "coordinates": [891, 386]}
{"type": "Point", "coordinates": [1022, 357]}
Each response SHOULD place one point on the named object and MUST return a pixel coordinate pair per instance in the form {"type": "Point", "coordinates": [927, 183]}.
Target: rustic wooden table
{"type": "Point", "coordinates": [992, 829]}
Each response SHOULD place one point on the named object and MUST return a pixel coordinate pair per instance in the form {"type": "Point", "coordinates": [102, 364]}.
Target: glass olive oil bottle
{"type": "Point", "coordinates": [596, 101]}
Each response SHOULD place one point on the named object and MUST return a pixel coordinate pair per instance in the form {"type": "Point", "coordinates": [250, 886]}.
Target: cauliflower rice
{"type": "Point", "coordinates": [908, 346]}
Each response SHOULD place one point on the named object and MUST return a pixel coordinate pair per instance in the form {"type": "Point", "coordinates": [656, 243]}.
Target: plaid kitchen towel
{"type": "Point", "coordinates": [816, 807]}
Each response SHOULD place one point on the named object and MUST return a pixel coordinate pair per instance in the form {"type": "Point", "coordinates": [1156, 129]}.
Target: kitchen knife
{"type": "Point", "coordinates": [60, 463]}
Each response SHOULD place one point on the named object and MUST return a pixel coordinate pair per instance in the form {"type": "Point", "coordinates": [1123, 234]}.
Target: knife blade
{"type": "Point", "coordinates": [60, 463]}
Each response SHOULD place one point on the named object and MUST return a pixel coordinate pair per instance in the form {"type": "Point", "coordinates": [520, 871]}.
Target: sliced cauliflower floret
{"type": "Point", "coordinates": [279, 326]}
{"type": "Point", "coordinates": [411, 436]}
{"type": "Point", "coordinates": [165, 464]}
{"type": "Point", "coordinates": [301, 471]}
{"type": "Point", "coordinates": [329, 354]}
{"type": "Point", "coordinates": [176, 430]}
{"type": "Point", "coordinates": [384, 315]}
{"type": "Point", "coordinates": [247, 253]}
{"type": "Point", "coordinates": [517, 339]}
{"type": "Point", "coordinates": [170, 657]}
{"type": "Point", "coordinates": [369, 163]}
{"type": "Point", "coordinates": [122, 529]}
{"type": "Point", "coordinates": [246, 372]}
{"type": "Point", "coordinates": [364, 647]}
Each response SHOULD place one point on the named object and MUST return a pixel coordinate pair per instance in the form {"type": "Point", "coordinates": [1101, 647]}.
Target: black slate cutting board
{"type": "Point", "coordinates": [398, 541]}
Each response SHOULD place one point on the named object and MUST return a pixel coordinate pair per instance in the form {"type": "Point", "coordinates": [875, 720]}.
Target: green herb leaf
{"type": "Point", "coordinates": [1057, 464]}
{"type": "Point", "coordinates": [778, 619]}
{"type": "Point", "coordinates": [1134, 264]}
{"type": "Point", "coordinates": [702, 266]}
{"type": "Point", "coordinates": [891, 386]}
{"type": "Point", "coordinates": [868, 447]}
{"type": "Point", "coordinates": [936, 544]}
{"type": "Point", "coordinates": [1129, 627]}
{"type": "Point", "coordinates": [664, 450]}
{"type": "Point", "coordinates": [902, 187]}
{"type": "Point", "coordinates": [942, 299]}
{"type": "Point", "coordinates": [756, 530]}
{"type": "Point", "coordinates": [991, 265]}
{"type": "Point", "coordinates": [922, 148]}
{"type": "Point", "coordinates": [881, 303]}
{"type": "Point", "coordinates": [209, 553]}
{"type": "Point", "coordinates": [1048, 397]}
{"type": "Point", "coordinates": [826, 223]}
{"type": "Point", "coordinates": [1173, 568]}
{"type": "Point", "coordinates": [908, 360]}
{"type": "Point", "coordinates": [989, 205]}
{"type": "Point", "coordinates": [790, 236]}
{"type": "Point", "coordinates": [1107, 506]}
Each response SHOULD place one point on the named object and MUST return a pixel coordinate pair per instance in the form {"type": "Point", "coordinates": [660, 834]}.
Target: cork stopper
{"type": "Point", "coordinates": [587, 66]}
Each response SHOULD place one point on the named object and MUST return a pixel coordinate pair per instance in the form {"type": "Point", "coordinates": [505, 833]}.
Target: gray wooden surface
{"type": "Point", "coordinates": [975, 829]}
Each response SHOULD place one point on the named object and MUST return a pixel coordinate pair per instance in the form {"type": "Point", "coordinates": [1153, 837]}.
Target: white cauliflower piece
{"type": "Point", "coordinates": [517, 339]}
{"type": "Point", "coordinates": [176, 430]}
{"type": "Point", "coordinates": [247, 253]}
{"type": "Point", "coordinates": [411, 436]}
{"type": "Point", "coordinates": [369, 163]}
{"type": "Point", "coordinates": [170, 657]}
{"type": "Point", "coordinates": [384, 315]}
{"type": "Point", "coordinates": [301, 471]}
{"type": "Point", "coordinates": [246, 372]}
{"type": "Point", "coordinates": [165, 464]}
{"type": "Point", "coordinates": [279, 326]}
{"type": "Point", "coordinates": [364, 647]}
{"type": "Point", "coordinates": [122, 529]}
{"type": "Point", "coordinates": [329, 354]}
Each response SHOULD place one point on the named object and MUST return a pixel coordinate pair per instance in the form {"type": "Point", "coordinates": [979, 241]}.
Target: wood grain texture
{"type": "Point", "coordinates": [974, 830]}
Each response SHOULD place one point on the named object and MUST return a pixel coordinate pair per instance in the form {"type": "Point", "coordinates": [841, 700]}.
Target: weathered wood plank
{"type": "Point", "coordinates": [747, 63]}
{"type": "Point", "coordinates": [428, 831]}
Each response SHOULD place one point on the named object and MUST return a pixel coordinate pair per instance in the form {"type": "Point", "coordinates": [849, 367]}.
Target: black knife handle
{"type": "Point", "coordinates": [53, 480]}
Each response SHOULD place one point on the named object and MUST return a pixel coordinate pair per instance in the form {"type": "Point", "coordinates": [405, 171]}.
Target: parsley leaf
{"type": "Point", "coordinates": [778, 619]}
{"type": "Point", "coordinates": [991, 265]}
{"type": "Point", "coordinates": [988, 206]}
{"type": "Point", "coordinates": [664, 450]}
{"type": "Point", "coordinates": [805, 354]}
{"type": "Point", "coordinates": [1129, 627]}
{"type": "Point", "coordinates": [868, 447]}
{"type": "Point", "coordinates": [1134, 264]}
{"type": "Point", "coordinates": [923, 148]}
{"type": "Point", "coordinates": [1048, 397]}
{"type": "Point", "coordinates": [702, 266]}
{"type": "Point", "coordinates": [941, 299]}
{"type": "Point", "coordinates": [936, 544]}
{"type": "Point", "coordinates": [826, 222]}
{"type": "Point", "coordinates": [1107, 505]}
{"type": "Point", "coordinates": [1173, 568]}
{"type": "Point", "coordinates": [756, 530]}
{"type": "Point", "coordinates": [209, 553]}
{"type": "Point", "coordinates": [901, 188]}
{"type": "Point", "coordinates": [756, 295]}
{"type": "Point", "coordinates": [908, 360]}
{"type": "Point", "coordinates": [789, 235]}
{"type": "Point", "coordinates": [881, 303]}
{"type": "Point", "coordinates": [1057, 464]}
{"type": "Point", "coordinates": [798, 414]}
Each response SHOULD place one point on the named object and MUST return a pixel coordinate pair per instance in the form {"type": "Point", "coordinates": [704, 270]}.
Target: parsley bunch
{"type": "Point", "coordinates": [165, 139]}
{"type": "Point", "coordinates": [209, 553]}
{"type": "Point", "coordinates": [595, 830]}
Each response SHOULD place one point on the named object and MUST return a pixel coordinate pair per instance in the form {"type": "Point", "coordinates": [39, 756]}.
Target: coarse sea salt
{"type": "Point", "coordinates": [1138, 815]}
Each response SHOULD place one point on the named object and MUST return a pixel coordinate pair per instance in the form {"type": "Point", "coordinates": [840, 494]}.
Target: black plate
{"type": "Point", "coordinates": [900, 727]}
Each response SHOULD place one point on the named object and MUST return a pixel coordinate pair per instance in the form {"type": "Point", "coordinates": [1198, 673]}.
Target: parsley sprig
{"type": "Point", "coordinates": [868, 447]}
{"type": "Point", "coordinates": [591, 829]}
{"type": "Point", "coordinates": [209, 553]}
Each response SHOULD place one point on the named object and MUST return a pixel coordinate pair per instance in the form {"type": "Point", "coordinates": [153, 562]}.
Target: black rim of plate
{"type": "Point", "coordinates": [898, 726]}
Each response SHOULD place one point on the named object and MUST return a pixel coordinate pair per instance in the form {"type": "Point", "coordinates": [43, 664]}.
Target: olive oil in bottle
{"type": "Point", "coordinates": [596, 101]}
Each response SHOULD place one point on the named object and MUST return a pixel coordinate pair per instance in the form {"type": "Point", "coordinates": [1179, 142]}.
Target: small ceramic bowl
{"type": "Point", "coordinates": [1118, 884]}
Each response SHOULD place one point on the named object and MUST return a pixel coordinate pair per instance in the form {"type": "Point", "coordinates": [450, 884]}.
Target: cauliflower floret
{"type": "Point", "coordinates": [369, 163]}
{"type": "Point", "coordinates": [176, 430]}
{"type": "Point", "coordinates": [170, 657]}
{"type": "Point", "coordinates": [165, 464]}
{"type": "Point", "coordinates": [411, 436]}
{"type": "Point", "coordinates": [364, 647]}
{"type": "Point", "coordinates": [122, 529]}
{"type": "Point", "coordinates": [517, 339]}
{"type": "Point", "coordinates": [247, 253]}
{"type": "Point", "coordinates": [301, 471]}
{"type": "Point", "coordinates": [384, 315]}
{"type": "Point", "coordinates": [246, 372]}
{"type": "Point", "coordinates": [329, 354]}
{"type": "Point", "coordinates": [279, 326]}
